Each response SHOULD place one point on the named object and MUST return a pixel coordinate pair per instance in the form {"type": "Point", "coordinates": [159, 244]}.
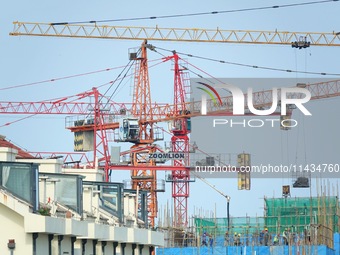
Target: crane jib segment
{"type": "Point", "coordinates": [295, 39]}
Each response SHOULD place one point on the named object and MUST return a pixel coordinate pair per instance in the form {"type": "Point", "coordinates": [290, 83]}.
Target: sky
{"type": "Point", "coordinates": [30, 60]}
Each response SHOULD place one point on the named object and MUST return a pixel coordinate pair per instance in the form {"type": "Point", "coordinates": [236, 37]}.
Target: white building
{"type": "Point", "coordinates": [59, 211]}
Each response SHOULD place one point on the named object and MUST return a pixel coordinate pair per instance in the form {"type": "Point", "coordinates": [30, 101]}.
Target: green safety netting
{"type": "Point", "coordinates": [218, 226]}
{"type": "Point", "coordinates": [280, 213]}
{"type": "Point", "coordinates": [297, 213]}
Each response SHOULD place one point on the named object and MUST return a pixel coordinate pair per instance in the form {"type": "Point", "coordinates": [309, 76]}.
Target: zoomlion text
{"type": "Point", "coordinates": [167, 155]}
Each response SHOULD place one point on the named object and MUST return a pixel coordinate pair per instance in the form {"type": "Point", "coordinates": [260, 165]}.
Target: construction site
{"type": "Point", "coordinates": [181, 148]}
{"type": "Point", "coordinates": [294, 226]}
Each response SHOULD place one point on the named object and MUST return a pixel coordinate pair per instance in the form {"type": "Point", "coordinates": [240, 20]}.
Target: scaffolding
{"type": "Point", "coordinates": [317, 218]}
{"type": "Point", "coordinates": [288, 221]}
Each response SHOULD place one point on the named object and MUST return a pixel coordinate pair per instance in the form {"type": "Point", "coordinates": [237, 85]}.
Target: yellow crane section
{"type": "Point", "coordinates": [296, 39]}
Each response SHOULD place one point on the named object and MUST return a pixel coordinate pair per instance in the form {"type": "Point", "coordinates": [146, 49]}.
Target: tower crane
{"type": "Point", "coordinates": [180, 129]}
{"type": "Point", "coordinates": [144, 135]}
{"type": "Point", "coordinates": [146, 113]}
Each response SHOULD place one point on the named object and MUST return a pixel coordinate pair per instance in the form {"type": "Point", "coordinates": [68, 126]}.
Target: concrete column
{"type": "Point", "coordinates": [50, 238]}
{"type": "Point", "coordinates": [134, 246]}
{"type": "Point", "coordinates": [140, 247]}
{"type": "Point", "coordinates": [83, 246]}
{"type": "Point", "coordinates": [60, 239]}
{"type": "Point", "coordinates": [35, 237]}
{"type": "Point", "coordinates": [103, 246]}
{"type": "Point", "coordinates": [122, 246]}
{"type": "Point", "coordinates": [115, 245]}
{"type": "Point", "coordinates": [73, 240]}
{"type": "Point", "coordinates": [94, 246]}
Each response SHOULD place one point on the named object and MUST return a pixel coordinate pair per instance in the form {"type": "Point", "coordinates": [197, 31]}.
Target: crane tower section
{"type": "Point", "coordinates": [138, 128]}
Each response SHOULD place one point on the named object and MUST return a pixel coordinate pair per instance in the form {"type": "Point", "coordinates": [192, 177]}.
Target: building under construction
{"type": "Point", "coordinates": [303, 225]}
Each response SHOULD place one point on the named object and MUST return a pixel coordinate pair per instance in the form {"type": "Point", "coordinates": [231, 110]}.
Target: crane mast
{"type": "Point", "coordinates": [142, 178]}
{"type": "Point", "coordinates": [180, 130]}
{"type": "Point", "coordinates": [141, 104]}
